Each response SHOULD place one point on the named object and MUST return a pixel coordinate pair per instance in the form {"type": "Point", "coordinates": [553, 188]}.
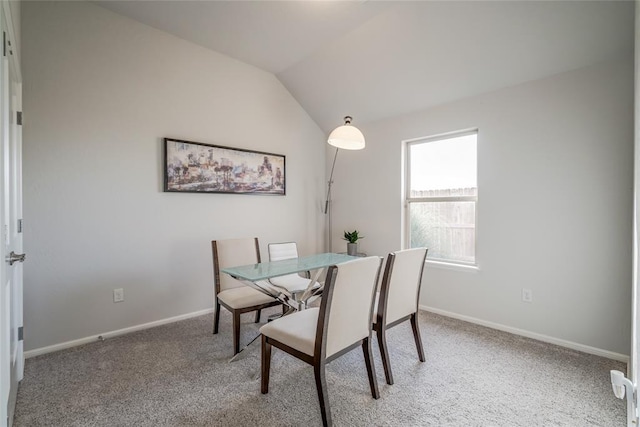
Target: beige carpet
{"type": "Point", "coordinates": [179, 375]}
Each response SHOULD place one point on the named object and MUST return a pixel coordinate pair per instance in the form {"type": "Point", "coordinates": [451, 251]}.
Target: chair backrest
{"type": "Point", "coordinates": [280, 251]}
{"type": "Point", "coordinates": [231, 253]}
{"type": "Point", "coordinates": [401, 284]}
{"type": "Point", "coordinates": [347, 304]}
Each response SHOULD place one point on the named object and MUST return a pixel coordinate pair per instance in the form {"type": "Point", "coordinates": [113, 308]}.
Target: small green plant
{"type": "Point", "coordinates": [352, 236]}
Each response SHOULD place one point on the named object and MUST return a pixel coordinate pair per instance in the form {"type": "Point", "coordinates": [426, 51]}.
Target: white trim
{"type": "Point", "coordinates": [442, 199]}
{"type": "Point", "coordinates": [544, 338]}
{"type": "Point", "coordinates": [111, 334]}
{"type": "Point", "coordinates": [450, 265]}
{"type": "Point", "coordinates": [445, 135]}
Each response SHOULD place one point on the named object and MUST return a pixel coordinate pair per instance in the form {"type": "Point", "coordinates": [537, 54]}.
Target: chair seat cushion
{"type": "Point", "coordinates": [243, 297]}
{"type": "Point", "coordinates": [297, 330]}
{"type": "Point", "coordinates": [291, 282]}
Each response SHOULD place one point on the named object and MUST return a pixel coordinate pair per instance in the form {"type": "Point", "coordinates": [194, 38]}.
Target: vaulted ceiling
{"type": "Point", "coordinates": [380, 59]}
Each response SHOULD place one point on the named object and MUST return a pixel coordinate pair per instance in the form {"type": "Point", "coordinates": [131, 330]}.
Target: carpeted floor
{"type": "Point", "coordinates": [179, 375]}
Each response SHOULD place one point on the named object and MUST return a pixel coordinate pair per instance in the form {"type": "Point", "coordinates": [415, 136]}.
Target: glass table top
{"type": "Point", "coordinates": [266, 270]}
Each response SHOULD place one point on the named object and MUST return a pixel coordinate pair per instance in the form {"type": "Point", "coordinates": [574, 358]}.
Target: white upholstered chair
{"type": "Point", "coordinates": [291, 282]}
{"type": "Point", "coordinates": [320, 335]}
{"type": "Point", "coordinates": [398, 300]}
{"type": "Point", "coordinates": [232, 294]}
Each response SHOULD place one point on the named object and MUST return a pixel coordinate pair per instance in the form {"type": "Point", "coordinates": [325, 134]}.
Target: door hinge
{"type": "Point", "coordinates": [21, 333]}
{"type": "Point", "coordinates": [19, 117]}
{"type": "Point", "coordinates": [20, 225]}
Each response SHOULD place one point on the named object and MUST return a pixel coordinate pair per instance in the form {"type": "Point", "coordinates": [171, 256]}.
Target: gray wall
{"type": "Point", "coordinates": [100, 92]}
{"type": "Point", "coordinates": [555, 164]}
{"type": "Point", "coordinates": [555, 176]}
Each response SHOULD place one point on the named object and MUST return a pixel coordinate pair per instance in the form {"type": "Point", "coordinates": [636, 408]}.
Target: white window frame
{"type": "Point", "coordinates": [445, 263]}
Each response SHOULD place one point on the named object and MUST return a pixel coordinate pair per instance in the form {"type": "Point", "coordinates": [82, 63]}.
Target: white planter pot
{"type": "Point", "coordinates": [352, 249]}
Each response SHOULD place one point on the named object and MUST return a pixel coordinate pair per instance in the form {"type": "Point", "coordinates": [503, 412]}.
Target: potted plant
{"type": "Point", "coordinates": [352, 237]}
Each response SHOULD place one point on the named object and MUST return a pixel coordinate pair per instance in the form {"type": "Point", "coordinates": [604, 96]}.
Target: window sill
{"type": "Point", "coordinates": [452, 266]}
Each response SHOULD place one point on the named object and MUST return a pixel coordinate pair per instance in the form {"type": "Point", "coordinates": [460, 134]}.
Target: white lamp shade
{"type": "Point", "coordinates": [347, 137]}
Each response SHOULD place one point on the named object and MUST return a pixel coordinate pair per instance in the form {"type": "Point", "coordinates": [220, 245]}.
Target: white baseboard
{"type": "Point", "coordinates": [540, 337]}
{"type": "Point", "coordinates": [111, 334]}
{"type": "Point", "coordinates": [544, 338]}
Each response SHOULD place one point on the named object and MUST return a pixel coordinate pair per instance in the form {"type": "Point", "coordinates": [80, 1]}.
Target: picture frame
{"type": "Point", "coordinates": [196, 167]}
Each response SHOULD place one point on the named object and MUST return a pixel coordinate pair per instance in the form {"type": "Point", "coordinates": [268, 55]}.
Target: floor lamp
{"type": "Point", "coordinates": [347, 137]}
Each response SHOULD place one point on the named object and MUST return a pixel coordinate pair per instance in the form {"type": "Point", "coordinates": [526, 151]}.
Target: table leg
{"type": "Point", "coordinates": [242, 350]}
{"type": "Point", "coordinates": [297, 301]}
{"type": "Point", "coordinates": [270, 318]}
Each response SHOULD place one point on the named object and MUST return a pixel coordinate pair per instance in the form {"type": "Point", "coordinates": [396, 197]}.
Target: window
{"type": "Point", "coordinates": [441, 196]}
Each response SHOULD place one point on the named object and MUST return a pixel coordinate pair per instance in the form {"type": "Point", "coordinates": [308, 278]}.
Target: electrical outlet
{"type": "Point", "coordinates": [118, 295]}
{"type": "Point", "coordinates": [527, 295]}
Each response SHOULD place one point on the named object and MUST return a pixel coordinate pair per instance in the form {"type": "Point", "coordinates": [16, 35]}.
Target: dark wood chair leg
{"type": "Point", "coordinates": [384, 352]}
{"type": "Point", "coordinates": [258, 316]}
{"type": "Point", "coordinates": [266, 365]}
{"type": "Point", "coordinates": [323, 396]}
{"type": "Point", "coordinates": [216, 318]}
{"type": "Point", "coordinates": [236, 332]}
{"type": "Point", "coordinates": [416, 336]}
{"type": "Point", "coordinates": [371, 370]}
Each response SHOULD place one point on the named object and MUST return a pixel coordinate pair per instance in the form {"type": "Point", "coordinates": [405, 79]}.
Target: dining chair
{"type": "Point", "coordinates": [321, 334]}
{"type": "Point", "coordinates": [292, 282]}
{"type": "Point", "coordinates": [232, 294]}
{"type": "Point", "coordinates": [398, 300]}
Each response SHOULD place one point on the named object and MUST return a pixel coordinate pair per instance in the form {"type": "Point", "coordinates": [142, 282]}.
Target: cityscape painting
{"type": "Point", "coordinates": [195, 167]}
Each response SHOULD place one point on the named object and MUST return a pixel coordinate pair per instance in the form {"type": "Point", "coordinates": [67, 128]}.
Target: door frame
{"type": "Point", "coordinates": [11, 369]}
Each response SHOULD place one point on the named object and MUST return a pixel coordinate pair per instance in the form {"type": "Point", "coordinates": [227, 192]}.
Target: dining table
{"type": "Point", "coordinates": [257, 276]}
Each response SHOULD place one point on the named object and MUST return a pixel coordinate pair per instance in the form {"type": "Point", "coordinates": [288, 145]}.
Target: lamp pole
{"type": "Point", "coordinates": [327, 203]}
{"type": "Point", "coordinates": [350, 138]}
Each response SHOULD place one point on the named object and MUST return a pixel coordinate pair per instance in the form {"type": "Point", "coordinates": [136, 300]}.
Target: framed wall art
{"type": "Point", "coordinates": [194, 167]}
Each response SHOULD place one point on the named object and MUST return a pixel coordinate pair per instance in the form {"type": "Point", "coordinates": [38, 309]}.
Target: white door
{"type": "Point", "coordinates": [11, 357]}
